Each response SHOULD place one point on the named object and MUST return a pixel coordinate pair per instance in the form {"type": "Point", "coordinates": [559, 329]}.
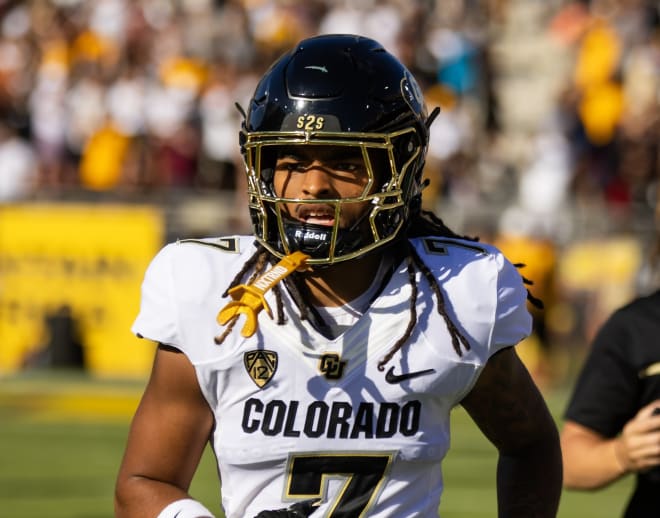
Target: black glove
{"type": "Point", "coordinates": [299, 510]}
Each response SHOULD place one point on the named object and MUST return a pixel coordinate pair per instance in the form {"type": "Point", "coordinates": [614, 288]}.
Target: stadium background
{"type": "Point", "coordinates": [118, 133]}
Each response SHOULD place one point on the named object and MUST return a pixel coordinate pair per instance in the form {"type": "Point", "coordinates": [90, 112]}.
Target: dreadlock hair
{"type": "Point", "coordinates": [426, 223]}
{"type": "Point", "coordinates": [259, 261]}
{"type": "Point", "coordinates": [423, 223]}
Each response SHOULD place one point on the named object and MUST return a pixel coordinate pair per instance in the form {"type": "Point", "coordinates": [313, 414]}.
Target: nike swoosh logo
{"type": "Point", "coordinates": [390, 377]}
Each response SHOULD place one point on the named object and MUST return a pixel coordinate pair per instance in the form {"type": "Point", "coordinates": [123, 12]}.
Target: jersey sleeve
{"type": "Point", "coordinates": [157, 318]}
{"type": "Point", "coordinates": [486, 298]}
{"type": "Point", "coordinates": [605, 394]}
{"type": "Point", "coordinates": [512, 321]}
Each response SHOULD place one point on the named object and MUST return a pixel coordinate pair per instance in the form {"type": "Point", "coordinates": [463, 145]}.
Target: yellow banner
{"type": "Point", "coordinates": [83, 258]}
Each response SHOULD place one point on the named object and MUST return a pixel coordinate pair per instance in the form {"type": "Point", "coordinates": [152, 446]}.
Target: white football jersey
{"type": "Point", "coordinates": [303, 417]}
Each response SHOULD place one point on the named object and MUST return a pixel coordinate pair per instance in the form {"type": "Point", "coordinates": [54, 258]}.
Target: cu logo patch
{"type": "Point", "coordinates": [260, 365]}
{"type": "Point", "coordinates": [331, 366]}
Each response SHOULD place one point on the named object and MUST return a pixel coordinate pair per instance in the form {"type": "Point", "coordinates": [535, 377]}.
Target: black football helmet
{"type": "Point", "coordinates": [337, 90]}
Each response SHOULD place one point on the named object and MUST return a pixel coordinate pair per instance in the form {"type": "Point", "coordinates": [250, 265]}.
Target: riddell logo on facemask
{"type": "Point", "coordinates": [310, 235]}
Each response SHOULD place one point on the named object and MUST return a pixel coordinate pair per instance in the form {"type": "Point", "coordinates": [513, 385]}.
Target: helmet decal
{"type": "Point", "coordinates": [412, 93]}
{"type": "Point", "coordinates": [320, 68]}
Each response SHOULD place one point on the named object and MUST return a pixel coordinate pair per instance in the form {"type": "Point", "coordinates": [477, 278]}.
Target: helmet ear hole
{"type": "Point", "coordinates": [408, 152]}
{"type": "Point", "coordinates": [415, 205]}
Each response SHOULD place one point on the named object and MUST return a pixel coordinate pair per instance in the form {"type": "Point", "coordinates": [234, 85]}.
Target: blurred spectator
{"type": "Point", "coordinates": [62, 347]}
{"type": "Point", "coordinates": [532, 248]}
{"type": "Point", "coordinates": [47, 110]}
{"type": "Point", "coordinates": [377, 19]}
{"type": "Point", "coordinates": [18, 166]}
{"type": "Point", "coordinates": [103, 158]}
{"type": "Point", "coordinates": [219, 122]}
{"type": "Point", "coordinates": [450, 144]}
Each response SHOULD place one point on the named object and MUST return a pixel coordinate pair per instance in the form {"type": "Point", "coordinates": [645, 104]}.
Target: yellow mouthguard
{"type": "Point", "coordinates": [249, 298]}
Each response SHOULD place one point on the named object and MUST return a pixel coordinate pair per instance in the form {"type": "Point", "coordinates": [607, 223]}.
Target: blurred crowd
{"type": "Point", "coordinates": [109, 94]}
{"type": "Point", "coordinates": [550, 109]}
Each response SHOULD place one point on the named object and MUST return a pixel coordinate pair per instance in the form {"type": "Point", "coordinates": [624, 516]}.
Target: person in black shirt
{"type": "Point", "coordinates": [612, 427]}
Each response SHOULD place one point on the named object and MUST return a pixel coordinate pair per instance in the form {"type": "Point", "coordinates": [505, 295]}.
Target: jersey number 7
{"type": "Point", "coordinates": [363, 475]}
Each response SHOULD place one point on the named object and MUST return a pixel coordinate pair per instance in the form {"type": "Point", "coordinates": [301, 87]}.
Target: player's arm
{"type": "Point", "coordinates": [592, 461]}
{"type": "Point", "coordinates": [167, 438]}
{"type": "Point", "coordinates": [511, 412]}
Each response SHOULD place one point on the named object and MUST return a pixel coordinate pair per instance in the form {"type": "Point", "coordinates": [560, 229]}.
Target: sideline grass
{"type": "Point", "coordinates": [62, 437]}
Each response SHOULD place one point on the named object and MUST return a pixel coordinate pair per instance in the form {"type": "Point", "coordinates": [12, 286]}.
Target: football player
{"type": "Point", "coordinates": [322, 356]}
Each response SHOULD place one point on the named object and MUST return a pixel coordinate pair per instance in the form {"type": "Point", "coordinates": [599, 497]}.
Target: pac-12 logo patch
{"type": "Point", "coordinates": [260, 365]}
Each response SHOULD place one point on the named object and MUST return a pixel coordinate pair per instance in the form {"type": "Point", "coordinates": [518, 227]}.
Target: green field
{"type": "Point", "coordinates": [62, 436]}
